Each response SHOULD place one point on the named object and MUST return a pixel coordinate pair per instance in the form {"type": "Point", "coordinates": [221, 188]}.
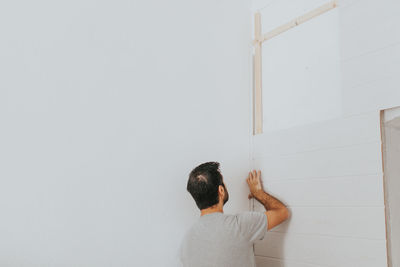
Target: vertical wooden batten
{"type": "Point", "coordinates": [258, 121]}
{"type": "Point", "coordinates": [259, 38]}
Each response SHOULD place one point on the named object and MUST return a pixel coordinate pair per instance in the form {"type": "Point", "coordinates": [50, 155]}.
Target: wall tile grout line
{"type": "Point", "coordinates": [291, 260]}
{"type": "Point", "coordinates": [323, 177]}
{"type": "Point", "coordinates": [328, 235]}
{"type": "Point", "coordinates": [372, 51]}
{"type": "Point", "coordinates": [310, 178]}
{"type": "Point", "coordinates": [262, 156]}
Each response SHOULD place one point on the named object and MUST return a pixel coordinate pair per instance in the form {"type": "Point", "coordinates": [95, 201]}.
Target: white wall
{"type": "Point", "coordinates": [330, 172]}
{"type": "Point", "coordinates": [370, 54]}
{"type": "Point", "coordinates": [105, 107]}
{"type": "Point", "coordinates": [330, 176]}
{"type": "Point", "coordinates": [292, 60]}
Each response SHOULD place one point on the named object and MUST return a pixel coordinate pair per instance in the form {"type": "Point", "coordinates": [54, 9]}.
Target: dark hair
{"type": "Point", "coordinates": [203, 184]}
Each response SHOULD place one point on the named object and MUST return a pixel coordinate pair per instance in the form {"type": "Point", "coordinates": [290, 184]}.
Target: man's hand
{"type": "Point", "coordinates": [254, 182]}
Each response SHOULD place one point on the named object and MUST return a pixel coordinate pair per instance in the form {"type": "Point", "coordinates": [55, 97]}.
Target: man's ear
{"type": "Point", "coordinates": [221, 190]}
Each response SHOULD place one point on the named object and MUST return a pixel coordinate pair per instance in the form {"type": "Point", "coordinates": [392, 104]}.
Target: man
{"type": "Point", "coordinates": [217, 239]}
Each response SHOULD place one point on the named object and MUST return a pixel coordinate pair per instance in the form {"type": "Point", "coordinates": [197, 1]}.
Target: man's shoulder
{"type": "Point", "coordinates": [218, 220]}
{"type": "Point", "coordinates": [236, 216]}
{"type": "Point", "coordinates": [248, 213]}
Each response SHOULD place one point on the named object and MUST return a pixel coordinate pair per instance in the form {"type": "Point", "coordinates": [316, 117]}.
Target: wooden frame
{"type": "Point", "coordinates": [259, 38]}
{"type": "Point", "coordinates": [388, 181]}
{"type": "Point", "coordinates": [258, 121]}
{"type": "Point", "coordinates": [385, 196]}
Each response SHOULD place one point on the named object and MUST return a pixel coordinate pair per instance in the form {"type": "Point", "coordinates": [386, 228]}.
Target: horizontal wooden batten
{"type": "Point", "coordinates": [323, 250]}
{"type": "Point", "coordinates": [297, 21]}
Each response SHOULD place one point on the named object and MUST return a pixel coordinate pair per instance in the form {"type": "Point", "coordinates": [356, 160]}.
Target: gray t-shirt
{"type": "Point", "coordinates": [222, 240]}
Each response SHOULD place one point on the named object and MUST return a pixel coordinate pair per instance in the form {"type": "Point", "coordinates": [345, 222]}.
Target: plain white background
{"type": "Point", "coordinates": [105, 107]}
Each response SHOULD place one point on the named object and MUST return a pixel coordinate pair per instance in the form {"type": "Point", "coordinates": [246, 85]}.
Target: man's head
{"type": "Point", "coordinates": [206, 185]}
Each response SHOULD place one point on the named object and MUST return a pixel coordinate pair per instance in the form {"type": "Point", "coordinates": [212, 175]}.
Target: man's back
{"type": "Point", "coordinates": [221, 240]}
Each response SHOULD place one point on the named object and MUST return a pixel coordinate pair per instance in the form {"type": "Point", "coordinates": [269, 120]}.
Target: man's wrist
{"type": "Point", "coordinates": [258, 194]}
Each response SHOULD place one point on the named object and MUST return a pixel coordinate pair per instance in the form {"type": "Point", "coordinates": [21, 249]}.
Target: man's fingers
{"type": "Point", "coordinates": [254, 176]}
{"type": "Point", "coordinates": [249, 176]}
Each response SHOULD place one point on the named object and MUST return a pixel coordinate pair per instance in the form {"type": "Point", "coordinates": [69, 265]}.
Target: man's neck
{"type": "Point", "coordinates": [213, 209]}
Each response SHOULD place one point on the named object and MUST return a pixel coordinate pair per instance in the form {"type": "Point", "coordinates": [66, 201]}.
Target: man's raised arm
{"type": "Point", "coordinates": [276, 210]}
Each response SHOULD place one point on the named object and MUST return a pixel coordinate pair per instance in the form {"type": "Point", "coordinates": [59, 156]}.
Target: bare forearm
{"type": "Point", "coordinates": [269, 201]}
{"type": "Point", "coordinates": [276, 211]}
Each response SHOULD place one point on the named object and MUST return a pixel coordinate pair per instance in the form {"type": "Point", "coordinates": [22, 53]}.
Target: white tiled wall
{"type": "Point", "coordinates": [329, 173]}
{"type": "Point", "coordinates": [333, 188]}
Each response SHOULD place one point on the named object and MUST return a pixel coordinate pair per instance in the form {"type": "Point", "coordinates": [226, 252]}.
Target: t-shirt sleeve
{"type": "Point", "coordinates": [252, 225]}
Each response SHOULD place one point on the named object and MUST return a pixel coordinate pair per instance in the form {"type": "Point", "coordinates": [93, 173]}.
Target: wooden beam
{"type": "Point", "coordinates": [299, 20]}
{"type": "Point", "coordinates": [258, 122]}
{"type": "Point", "coordinates": [388, 228]}
{"type": "Point", "coordinates": [259, 38]}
